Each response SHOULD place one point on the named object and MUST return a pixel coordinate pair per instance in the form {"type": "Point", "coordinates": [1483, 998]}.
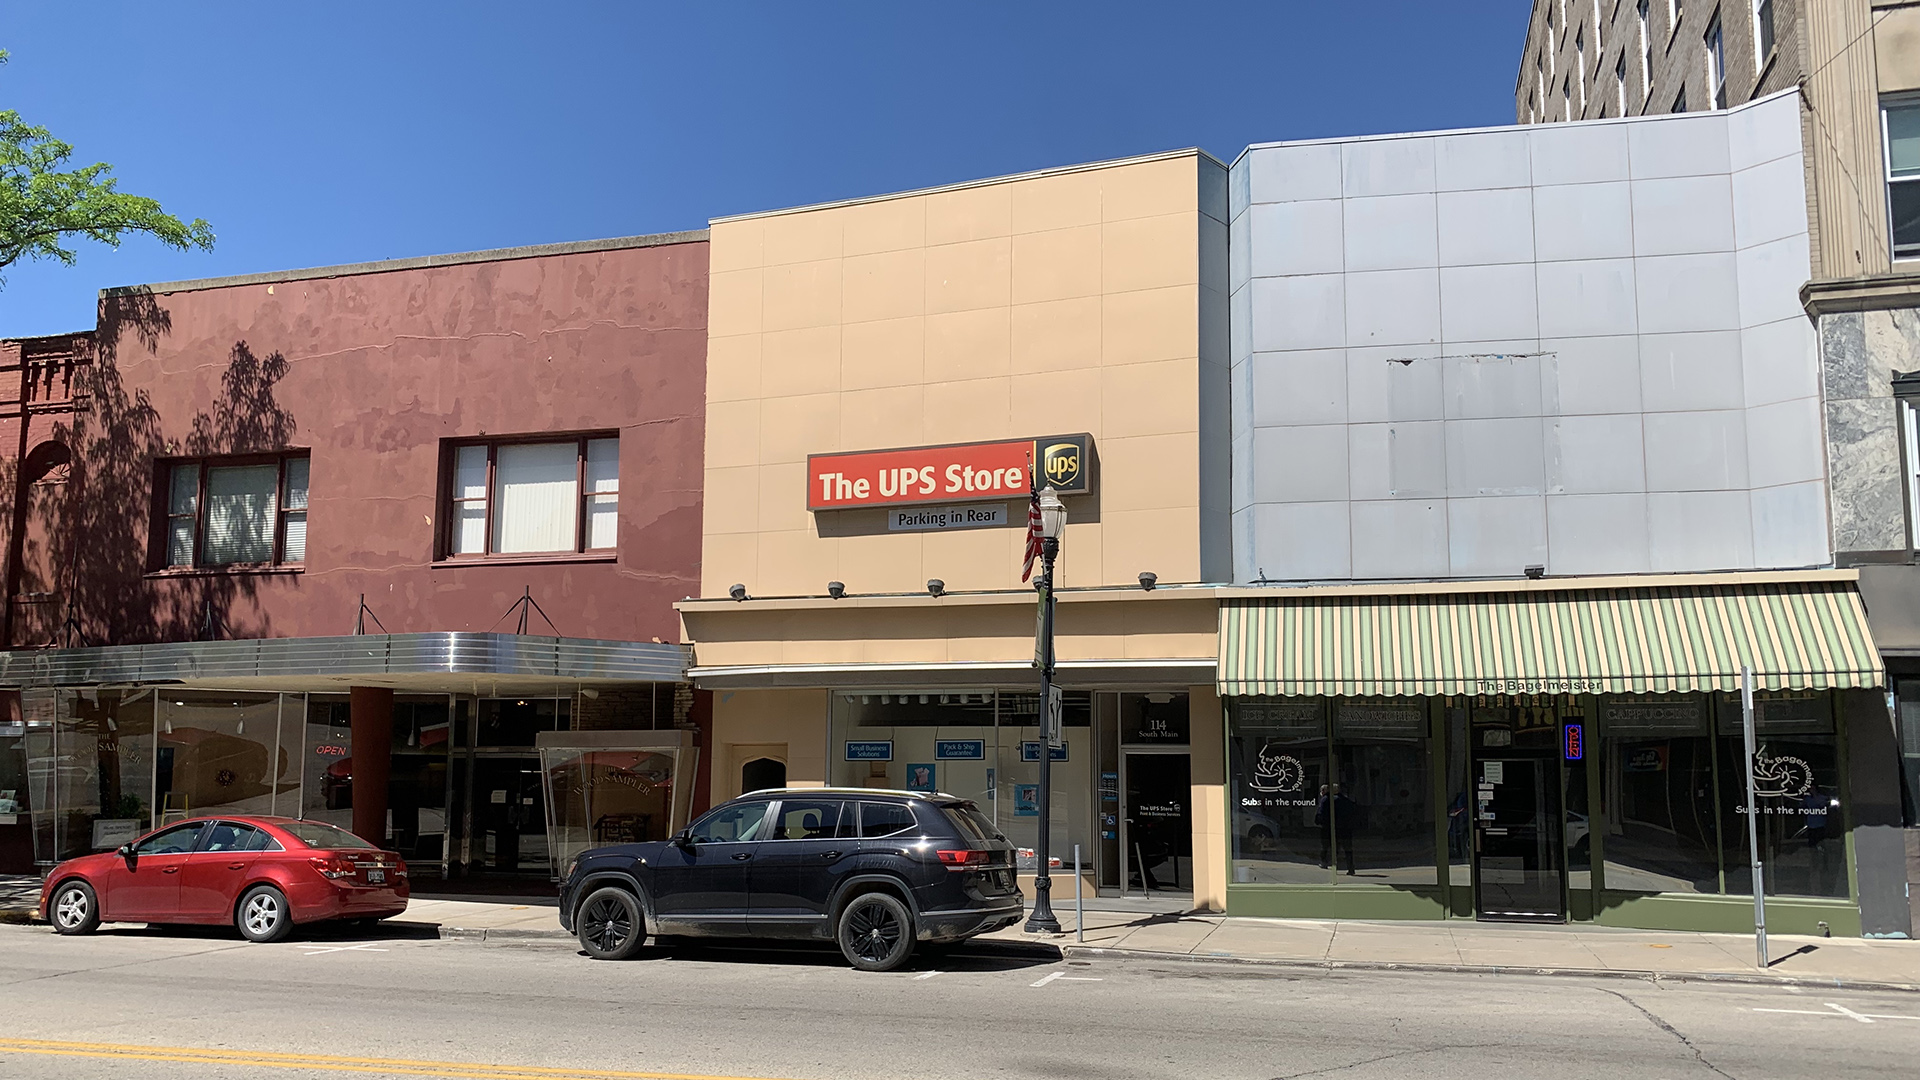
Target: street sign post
{"type": "Point", "coordinates": [1753, 820]}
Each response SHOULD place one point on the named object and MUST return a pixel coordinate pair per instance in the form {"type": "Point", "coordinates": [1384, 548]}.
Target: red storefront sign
{"type": "Point", "coordinates": [964, 472]}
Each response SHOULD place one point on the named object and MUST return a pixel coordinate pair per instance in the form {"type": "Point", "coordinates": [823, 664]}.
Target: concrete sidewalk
{"type": "Point", "coordinates": [1126, 930]}
{"type": "Point", "coordinates": [1491, 947]}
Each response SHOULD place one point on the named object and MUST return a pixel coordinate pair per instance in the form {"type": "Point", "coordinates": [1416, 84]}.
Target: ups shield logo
{"type": "Point", "coordinates": [1063, 464]}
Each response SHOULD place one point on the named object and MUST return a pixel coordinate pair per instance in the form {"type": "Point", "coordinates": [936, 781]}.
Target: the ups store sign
{"type": "Point", "coordinates": [961, 472]}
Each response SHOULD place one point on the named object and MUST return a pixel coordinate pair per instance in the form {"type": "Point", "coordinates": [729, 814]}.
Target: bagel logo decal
{"type": "Point", "coordinates": [1780, 777]}
{"type": "Point", "coordinates": [1276, 772]}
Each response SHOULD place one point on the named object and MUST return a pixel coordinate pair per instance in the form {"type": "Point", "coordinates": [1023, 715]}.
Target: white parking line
{"type": "Point", "coordinates": [317, 950]}
{"type": "Point", "coordinates": [1841, 1010]}
{"type": "Point", "coordinates": [928, 975]}
{"type": "Point", "coordinates": [1045, 979]}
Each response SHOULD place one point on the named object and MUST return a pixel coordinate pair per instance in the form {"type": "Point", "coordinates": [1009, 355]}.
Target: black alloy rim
{"type": "Point", "coordinates": [875, 931]}
{"type": "Point", "coordinates": [606, 924]}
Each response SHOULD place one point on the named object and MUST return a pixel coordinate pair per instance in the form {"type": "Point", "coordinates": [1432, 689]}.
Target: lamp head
{"type": "Point", "coordinates": [1053, 514]}
{"type": "Point", "coordinates": [936, 587]}
{"type": "Point", "coordinates": [737, 591]}
{"type": "Point", "coordinates": [1148, 579]}
{"type": "Point", "coordinates": [1536, 572]}
{"type": "Point", "coordinates": [836, 589]}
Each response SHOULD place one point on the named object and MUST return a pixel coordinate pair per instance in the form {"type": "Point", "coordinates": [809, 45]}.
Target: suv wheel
{"type": "Point", "coordinates": [75, 911]}
{"type": "Point", "coordinates": [610, 924]}
{"type": "Point", "coordinates": [876, 932]}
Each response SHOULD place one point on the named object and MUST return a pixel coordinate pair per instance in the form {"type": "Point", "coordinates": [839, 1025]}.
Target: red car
{"type": "Point", "coordinates": [262, 874]}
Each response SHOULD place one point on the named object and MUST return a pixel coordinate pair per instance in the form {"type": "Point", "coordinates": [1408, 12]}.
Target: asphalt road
{"type": "Point", "coordinates": [168, 1004]}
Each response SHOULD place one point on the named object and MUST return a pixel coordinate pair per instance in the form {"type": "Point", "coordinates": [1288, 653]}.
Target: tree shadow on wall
{"type": "Point", "coordinates": [116, 439]}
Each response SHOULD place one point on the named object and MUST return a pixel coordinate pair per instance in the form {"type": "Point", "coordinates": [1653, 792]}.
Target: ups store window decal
{"type": "Point", "coordinates": [956, 473]}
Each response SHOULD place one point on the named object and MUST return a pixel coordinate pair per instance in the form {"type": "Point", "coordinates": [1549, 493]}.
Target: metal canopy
{"type": "Point", "coordinates": [1805, 635]}
{"type": "Point", "coordinates": [448, 661]}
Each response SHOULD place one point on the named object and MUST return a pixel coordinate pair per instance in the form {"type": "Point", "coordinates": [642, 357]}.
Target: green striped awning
{"type": "Point", "coordinates": [1807, 635]}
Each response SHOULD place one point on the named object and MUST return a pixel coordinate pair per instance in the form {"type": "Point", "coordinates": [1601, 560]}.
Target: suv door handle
{"type": "Point", "coordinates": [742, 856]}
{"type": "Point", "coordinates": [829, 854]}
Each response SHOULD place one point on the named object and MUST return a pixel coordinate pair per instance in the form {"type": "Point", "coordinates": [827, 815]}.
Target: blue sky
{"type": "Point", "coordinates": [341, 132]}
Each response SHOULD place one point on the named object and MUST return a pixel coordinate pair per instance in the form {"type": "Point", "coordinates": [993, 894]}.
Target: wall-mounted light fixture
{"type": "Point", "coordinates": [737, 591]}
{"type": "Point", "coordinates": [836, 589]}
{"type": "Point", "coordinates": [1536, 572]}
{"type": "Point", "coordinates": [1148, 579]}
{"type": "Point", "coordinates": [936, 587]}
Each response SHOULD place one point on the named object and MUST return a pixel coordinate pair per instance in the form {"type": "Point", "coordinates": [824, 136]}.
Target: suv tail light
{"type": "Point", "coordinates": [333, 866]}
{"type": "Point", "coordinates": [963, 860]}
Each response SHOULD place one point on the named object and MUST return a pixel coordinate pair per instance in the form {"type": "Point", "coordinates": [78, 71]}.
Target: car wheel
{"type": "Point", "coordinates": [75, 909]}
{"type": "Point", "coordinates": [876, 932]}
{"type": "Point", "coordinates": [611, 924]}
{"type": "Point", "coordinates": [264, 915]}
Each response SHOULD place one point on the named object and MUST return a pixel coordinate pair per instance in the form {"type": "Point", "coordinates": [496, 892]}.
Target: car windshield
{"type": "Point", "coordinates": [970, 821]}
{"type": "Point", "coordinates": [317, 834]}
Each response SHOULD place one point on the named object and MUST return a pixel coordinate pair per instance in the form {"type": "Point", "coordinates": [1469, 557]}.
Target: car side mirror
{"type": "Point", "coordinates": [125, 851]}
{"type": "Point", "coordinates": [683, 839]}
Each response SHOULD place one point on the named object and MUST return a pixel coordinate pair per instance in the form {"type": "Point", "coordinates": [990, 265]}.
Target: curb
{"type": "Point", "coordinates": [1035, 949]}
{"type": "Point", "coordinates": [1738, 978]}
{"type": "Point", "coordinates": [20, 917]}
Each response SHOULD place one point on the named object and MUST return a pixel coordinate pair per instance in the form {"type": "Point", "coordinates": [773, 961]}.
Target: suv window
{"type": "Point", "coordinates": [174, 841]}
{"type": "Point", "coordinates": [967, 818]}
{"type": "Point", "coordinates": [886, 819]}
{"type": "Point", "coordinates": [729, 824]}
{"type": "Point", "coordinates": [806, 819]}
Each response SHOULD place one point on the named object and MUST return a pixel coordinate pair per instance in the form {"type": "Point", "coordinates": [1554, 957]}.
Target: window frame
{"type": "Point", "coordinates": [450, 500]}
{"type": "Point", "coordinates": [1714, 46]}
{"type": "Point", "coordinates": [1763, 54]}
{"type": "Point", "coordinates": [1644, 12]}
{"type": "Point", "coordinates": [1888, 103]}
{"type": "Point", "coordinates": [160, 560]}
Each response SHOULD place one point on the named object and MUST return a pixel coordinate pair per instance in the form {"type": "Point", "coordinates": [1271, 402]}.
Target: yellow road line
{"type": "Point", "coordinates": [327, 1063]}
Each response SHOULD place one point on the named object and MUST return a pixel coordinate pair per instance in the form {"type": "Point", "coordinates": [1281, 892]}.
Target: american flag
{"type": "Point", "coordinates": [1033, 524]}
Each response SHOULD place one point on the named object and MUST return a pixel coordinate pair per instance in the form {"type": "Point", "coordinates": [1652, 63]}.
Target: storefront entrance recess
{"type": "Point", "coordinates": [1158, 832]}
{"type": "Point", "coordinates": [1519, 860]}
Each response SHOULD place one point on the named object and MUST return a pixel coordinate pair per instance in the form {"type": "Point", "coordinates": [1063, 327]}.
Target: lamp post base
{"type": "Point", "coordinates": [1042, 920]}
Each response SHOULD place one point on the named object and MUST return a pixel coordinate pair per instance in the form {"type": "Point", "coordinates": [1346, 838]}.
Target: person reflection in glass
{"type": "Point", "coordinates": [1335, 815]}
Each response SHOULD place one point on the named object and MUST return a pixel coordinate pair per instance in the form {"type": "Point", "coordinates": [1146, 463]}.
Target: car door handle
{"type": "Point", "coordinates": [742, 856]}
{"type": "Point", "coordinates": [170, 870]}
{"type": "Point", "coordinates": [829, 854]}
{"type": "Point", "coordinates": [236, 866]}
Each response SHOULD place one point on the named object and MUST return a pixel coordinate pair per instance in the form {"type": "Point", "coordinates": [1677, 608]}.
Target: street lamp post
{"type": "Point", "coordinates": [1053, 520]}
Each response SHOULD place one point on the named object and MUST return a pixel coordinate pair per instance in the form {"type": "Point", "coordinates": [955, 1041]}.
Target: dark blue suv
{"type": "Point", "coordinates": [876, 871]}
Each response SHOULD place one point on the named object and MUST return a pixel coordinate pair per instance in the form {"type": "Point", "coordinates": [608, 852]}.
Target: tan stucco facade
{"type": "Point", "coordinates": [1066, 301]}
{"type": "Point", "coordinates": [1088, 299]}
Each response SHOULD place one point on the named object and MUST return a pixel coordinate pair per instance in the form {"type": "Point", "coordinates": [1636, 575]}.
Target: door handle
{"type": "Point", "coordinates": [743, 856]}
{"type": "Point", "coordinates": [829, 854]}
{"type": "Point", "coordinates": [170, 870]}
{"type": "Point", "coordinates": [236, 866]}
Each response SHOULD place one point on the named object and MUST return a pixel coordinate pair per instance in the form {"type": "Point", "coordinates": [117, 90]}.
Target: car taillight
{"type": "Point", "coordinates": [333, 866]}
{"type": "Point", "coordinates": [963, 860]}
{"type": "Point", "coordinates": [400, 867]}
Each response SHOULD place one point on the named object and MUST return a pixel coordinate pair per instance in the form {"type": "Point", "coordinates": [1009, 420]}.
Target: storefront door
{"type": "Point", "coordinates": [1519, 861]}
{"type": "Point", "coordinates": [509, 815]}
{"type": "Point", "coordinates": [1157, 822]}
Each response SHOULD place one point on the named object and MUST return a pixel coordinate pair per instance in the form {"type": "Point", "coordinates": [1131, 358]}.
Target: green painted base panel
{"type": "Point", "coordinates": [1643, 911]}
{"type": "Point", "coordinates": [1335, 902]}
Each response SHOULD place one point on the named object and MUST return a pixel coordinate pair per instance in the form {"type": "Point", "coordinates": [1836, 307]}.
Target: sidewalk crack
{"type": "Point", "coordinates": [1671, 1030]}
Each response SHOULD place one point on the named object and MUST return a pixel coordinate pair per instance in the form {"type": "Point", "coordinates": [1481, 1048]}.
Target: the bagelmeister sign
{"type": "Point", "coordinates": [962, 472]}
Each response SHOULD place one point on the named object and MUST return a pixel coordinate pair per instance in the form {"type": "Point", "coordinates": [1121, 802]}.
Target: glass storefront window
{"type": "Point", "coordinates": [222, 752]}
{"type": "Point", "coordinates": [1907, 709]}
{"type": "Point", "coordinates": [1382, 804]}
{"type": "Point", "coordinates": [602, 789]}
{"type": "Point", "coordinates": [1278, 760]}
{"type": "Point", "coordinates": [981, 745]}
{"type": "Point", "coordinates": [1658, 788]}
{"type": "Point", "coordinates": [513, 722]}
{"type": "Point", "coordinates": [327, 761]}
{"type": "Point", "coordinates": [1803, 845]}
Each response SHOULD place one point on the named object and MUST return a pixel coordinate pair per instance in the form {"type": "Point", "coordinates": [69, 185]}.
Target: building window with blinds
{"type": "Point", "coordinates": [249, 511]}
{"type": "Point", "coordinates": [528, 497]}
